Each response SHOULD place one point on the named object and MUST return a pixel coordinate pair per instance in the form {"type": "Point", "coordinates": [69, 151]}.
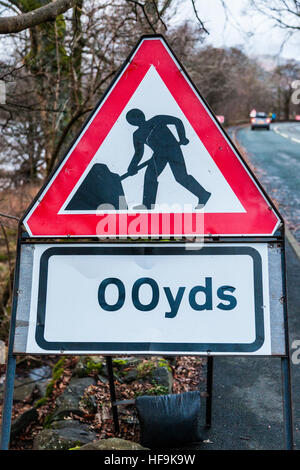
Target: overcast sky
{"type": "Point", "coordinates": [243, 27]}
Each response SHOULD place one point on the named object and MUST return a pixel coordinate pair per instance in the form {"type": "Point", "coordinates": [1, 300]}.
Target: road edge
{"type": "Point", "coordinates": [292, 241]}
{"type": "Point", "coordinates": [290, 237]}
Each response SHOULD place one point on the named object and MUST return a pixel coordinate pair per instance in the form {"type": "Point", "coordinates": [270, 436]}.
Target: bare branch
{"type": "Point", "coordinates": [8, 6]}
{"type": "Point", "coordinates": [9, 216]}
{"type": "Point", "coordinates": [159, 16]}
{"type": "Point", "coordinates": [285, 13]}
{"type": "Point", "coordinates": [144, 12]}
{"type": "Point", "coordinates": [198, 18]}
{"type": "Point", "coordinates": [15, 69]}
{"type": "Point", "coordinates": [14, 24]}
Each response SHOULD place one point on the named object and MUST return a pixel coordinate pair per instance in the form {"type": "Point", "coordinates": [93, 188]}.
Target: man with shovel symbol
{"type": "Point", "coordinates": [166, 149]}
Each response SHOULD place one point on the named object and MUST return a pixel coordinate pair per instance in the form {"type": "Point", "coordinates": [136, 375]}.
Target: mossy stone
{"type": "Point", "coordinates": [113, 443]}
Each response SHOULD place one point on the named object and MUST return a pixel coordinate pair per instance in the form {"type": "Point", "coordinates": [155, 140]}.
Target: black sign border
{"type": "Point", "coordinates": [152, 348]}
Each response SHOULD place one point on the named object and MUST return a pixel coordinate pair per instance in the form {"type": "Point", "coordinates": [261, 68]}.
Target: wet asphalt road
{"type": "Point", "coordinates": [247, 394]}
{"type": "Point", "coordinates": [275, 154]}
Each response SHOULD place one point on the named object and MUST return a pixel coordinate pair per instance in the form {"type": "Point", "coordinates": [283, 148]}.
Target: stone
{"type": "Point", "coordinates": [80, 367]}
{"type": "Point", "coordinates": [22, 421]}
{"type": "Point", "coordinates": [42, 377]}
{"type": "Point", "coordinates": [41, 386]}
{"type": "Point", "coordinates": [34, 383]}
{"type": "Point", "coordinates": [64, 435]}
{"type": "Point", "coordinates": [102, 379]}
{"type": "Point", "coordinates": [23, 388]}
{"type": "Point", "coordinates": [70, 400]}
{"type": "Point", "coordinates": [130, 376]}
{"type": "Point", "coordinates": [91, 403]}
{"type": "Point", "coordinates": [119, 364]}
{"type": "Point", "coordinates": [40, 373]}
{"type": "Point", "coordinates": [133, 361]}
{"type": "Point", "coordinates": [163, 376]}
{"type": "Point", "coordinates": [124, 362]}
{"type": "Point", "coordinates": [87, 365]}
{"type": "Point", "coordinates": [113, 443]}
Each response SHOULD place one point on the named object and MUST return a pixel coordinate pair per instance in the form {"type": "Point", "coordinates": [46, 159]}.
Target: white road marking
{"type": "Point", "coordinates": [286, 136]}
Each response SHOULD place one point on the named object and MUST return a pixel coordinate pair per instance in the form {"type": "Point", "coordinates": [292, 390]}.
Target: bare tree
{"type": "Point", "coordinates": [283, 78]}
{"type": "Point", "coordinates": [230, 81]}
{"type": "Point", "coordinates": [67, 66]}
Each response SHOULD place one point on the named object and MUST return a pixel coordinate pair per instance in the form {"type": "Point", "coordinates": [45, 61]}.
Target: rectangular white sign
{"type": "Point", "coordinates": [158, 299]}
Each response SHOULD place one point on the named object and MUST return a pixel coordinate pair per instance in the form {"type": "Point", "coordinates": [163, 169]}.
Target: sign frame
{"type": "Point", "coordinates": [285, 358]}
{"type": "Point", "coordinates": [24, 237]}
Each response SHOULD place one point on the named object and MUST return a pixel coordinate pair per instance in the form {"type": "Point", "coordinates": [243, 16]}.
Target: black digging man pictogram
{"type": "Point", "coordinates": [166, 150]}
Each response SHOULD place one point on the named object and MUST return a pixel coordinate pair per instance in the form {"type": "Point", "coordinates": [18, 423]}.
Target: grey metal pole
{"type": "Point", "coordinates": [286, 367]}
{"type": "Point", "coordinates": [11, 360]}
{"type": "Point", "coordinates": [8, 402]}
{"type": "Point", "coordinates": [112, 389]}
{"type": "Point", "coordinates": [287, 403]}
{"type": "Point", "coordinates": [209, 389]}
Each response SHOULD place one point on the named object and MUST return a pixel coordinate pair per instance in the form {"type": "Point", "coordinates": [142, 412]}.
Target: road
{"type": "Point", "coordinates": [247, 395]}
{"type": "Point", "coordinates": [275, 154]}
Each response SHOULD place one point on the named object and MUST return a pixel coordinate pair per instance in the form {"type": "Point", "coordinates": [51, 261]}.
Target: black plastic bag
{"type": "Point", "coordinates": [169, 420]}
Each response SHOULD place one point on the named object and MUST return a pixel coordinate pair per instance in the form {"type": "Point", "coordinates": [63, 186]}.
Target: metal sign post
{"type": "Point", "coordinates": [11, 359]}
{"type": "Point", "coordinates": [151, 141]}
{"type": "Point", "coordinates": [286, 363]}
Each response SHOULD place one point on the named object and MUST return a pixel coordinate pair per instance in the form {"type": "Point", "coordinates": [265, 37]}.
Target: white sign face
{"type": "Point", "coordinates": [159, 299]}
{"type": "Point", "coordinates": [169, 191]}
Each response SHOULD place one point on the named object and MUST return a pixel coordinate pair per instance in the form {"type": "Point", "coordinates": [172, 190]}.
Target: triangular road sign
{"type": "Point", "coordinates": [152, 160]}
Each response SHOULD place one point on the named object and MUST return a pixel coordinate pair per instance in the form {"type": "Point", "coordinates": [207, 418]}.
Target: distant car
{"type": "Point", "coordinates": [261, 120]}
